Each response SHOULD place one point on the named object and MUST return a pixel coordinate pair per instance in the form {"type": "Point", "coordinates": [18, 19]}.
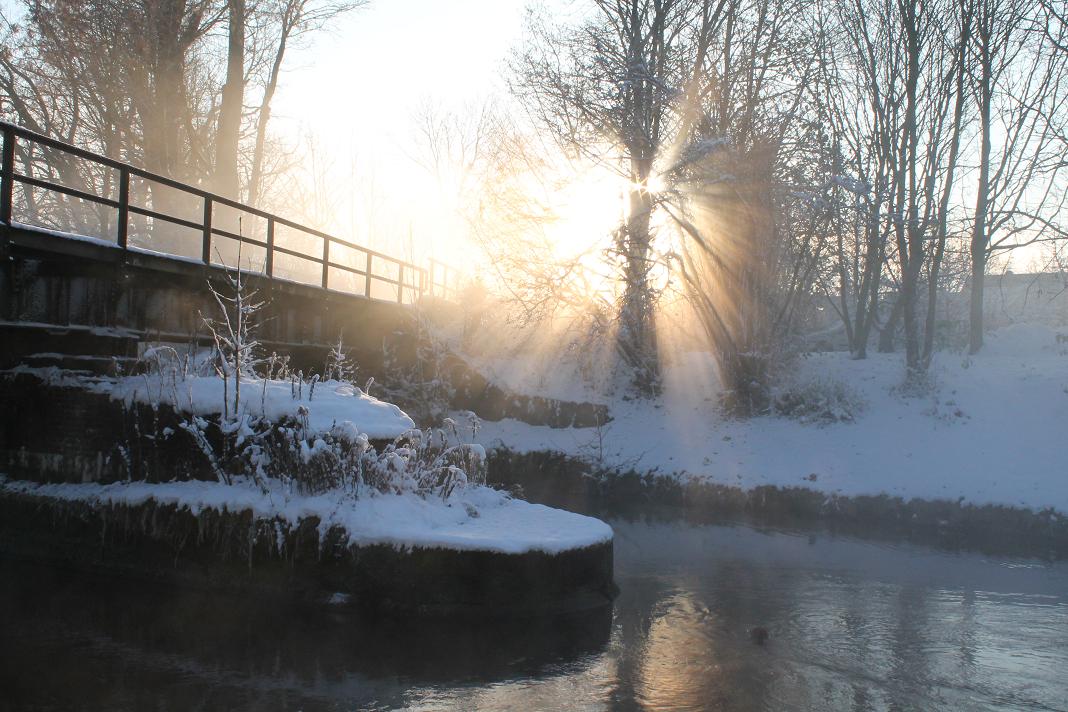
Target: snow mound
{"type": "Point", "coordinates": [474, 519]}
{"type": "Point", "coordinates": [330, 403]}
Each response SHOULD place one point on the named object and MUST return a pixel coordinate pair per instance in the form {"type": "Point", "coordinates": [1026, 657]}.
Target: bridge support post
{"type": "Point", "coordinates": [123, 229]}
{"type": "Point", "coordinates": [206, 247]}
{"type": "Point", "coordinates": [7, 182]}
{"type": "Point", "coordinates": [268, 265]}
{"type": "Point", "coordinates": [367, 282]}
{"type": "Point", "coordinates": [326, 262]}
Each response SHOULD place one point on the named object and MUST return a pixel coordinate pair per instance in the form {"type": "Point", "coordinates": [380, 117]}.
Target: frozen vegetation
{"type": "Point", "coordinates": [989, 429]}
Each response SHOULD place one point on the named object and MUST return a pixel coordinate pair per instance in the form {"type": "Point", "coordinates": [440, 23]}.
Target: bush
{"type": "Point", "coordinates": [426, 463]}
{"type": "Point", "coordinates": [747, 377]}
{"type": "Point", "coordinates": [819, 401]}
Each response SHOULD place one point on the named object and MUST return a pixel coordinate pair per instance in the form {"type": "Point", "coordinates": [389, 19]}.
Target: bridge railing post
{"type": "Point", "coordinates": [123, 228]}
{"type": "Point", "coordinates": [7, 181]}
{"type": "Point", "coordinates": [367, 282]}
{"type": "Point", "coordinates": [326, 262]}
{"type": "Point", "coordinates": [205, 252]}
{"type": "Point", "coordinates": [268, 266]}
{"type": "Point", "coordinates": [400, 283]}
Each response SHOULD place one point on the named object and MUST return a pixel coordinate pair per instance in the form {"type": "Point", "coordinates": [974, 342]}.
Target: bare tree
{"type": "Point", "coordinates": [228, 136]}
{"type": "Point", "coordinates": [906, 59]}
{"type": "Point", "coordinates": [284, 23]}
{"type": "Point", "coordinates": [1016, 78]}
{"type": "Point", "coordinates": [614, 89]}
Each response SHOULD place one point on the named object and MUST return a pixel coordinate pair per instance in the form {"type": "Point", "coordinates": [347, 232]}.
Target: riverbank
{"type": "Point", "coordinates": [479, 551]}
{"type": "Point", "coordinates": [306, 489]}
{"type": "Point", "coordinates": [988, 432]}
{"type": "Point", "coordinates": [953, 525]}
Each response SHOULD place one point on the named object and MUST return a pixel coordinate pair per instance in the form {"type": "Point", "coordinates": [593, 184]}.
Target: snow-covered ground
{"type": "Point", "coordinates": [328, 404]}
{"type": "Point", "coordinates": [474, 518]}
{"type": "Point", "coordinates": [994, 430]}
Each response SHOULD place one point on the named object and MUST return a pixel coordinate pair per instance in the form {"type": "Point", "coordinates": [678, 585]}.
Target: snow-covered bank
{"type": "Point", "coordinates": [473, 519]}
{"type": "Point", "coordinates": [327, 403]}
{"type": "Point", "coordinates": [991, 432]}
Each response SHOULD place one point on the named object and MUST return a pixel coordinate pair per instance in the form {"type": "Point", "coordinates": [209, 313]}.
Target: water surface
{"type": "Point", "coordinates": [853, 626]}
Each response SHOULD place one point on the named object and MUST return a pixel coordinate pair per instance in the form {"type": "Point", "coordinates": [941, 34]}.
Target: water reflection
{"type": "Point", "coordinates": [853, 625]}
{"type": "Point", "coordinates": [68, 642]}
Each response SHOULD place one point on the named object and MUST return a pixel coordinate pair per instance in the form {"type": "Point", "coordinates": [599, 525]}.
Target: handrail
{"type": "Point", "coordinates": [442, 279]}
{"type": "Point", "coordinates": [8, 178]}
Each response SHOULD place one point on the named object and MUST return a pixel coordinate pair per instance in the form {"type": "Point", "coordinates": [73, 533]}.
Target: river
{"type": "Point", "coordinates": [852, 625]}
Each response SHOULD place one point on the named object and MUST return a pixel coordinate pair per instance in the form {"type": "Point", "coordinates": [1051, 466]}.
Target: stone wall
{"type": "Point", "coordinates": [238, 552]}
{"type": "Point", "coordinates": [64, 433]}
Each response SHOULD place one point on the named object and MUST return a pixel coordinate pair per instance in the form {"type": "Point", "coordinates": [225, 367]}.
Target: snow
{"type": "Point", "coordinates": [95, 330]}
{"type": "Point", "coordinates": [169, 255]}
{"type": "Point", "coordinates": [1023, 340]}
{"type": "Point", "coordinates": [992, 431]}
{"type": "Point", "coordinates": [66, 235]}
{"type": "Point", "coordinates": [853, 185]}
{"type": "Point", "coordinates": [472, 519]}
{"type": "Point", "coordinates": [333, 402]}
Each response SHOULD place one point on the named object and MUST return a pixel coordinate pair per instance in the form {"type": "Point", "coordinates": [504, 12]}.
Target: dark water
{"type": "Point", "coordinates": [853, 626]}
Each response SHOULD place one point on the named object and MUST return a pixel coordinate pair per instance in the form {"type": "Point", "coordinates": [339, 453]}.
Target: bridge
{"type": "Point", "coordinates": [100, 259]}
{"type": "Point", "coordinates": [68, 192]}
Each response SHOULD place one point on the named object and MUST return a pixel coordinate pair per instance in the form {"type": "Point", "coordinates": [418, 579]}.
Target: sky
{"type": "Point", "coordinates": [357, 87]}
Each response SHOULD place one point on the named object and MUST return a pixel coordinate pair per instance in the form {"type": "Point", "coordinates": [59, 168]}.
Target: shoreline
{"type": "Point", "coordinates": [302, 555]}
{"type": "Point", "coordinates": [563, 480]}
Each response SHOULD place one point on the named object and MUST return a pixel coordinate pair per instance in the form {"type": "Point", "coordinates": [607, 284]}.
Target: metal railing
{"type": "Point", "coordinates": [376, 268]}
{"type": "Point", "coordinates": [443, 280]}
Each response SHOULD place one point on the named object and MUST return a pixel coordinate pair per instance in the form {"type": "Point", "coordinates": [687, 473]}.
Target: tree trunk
{"type": "Point", "coordinates": [637, 333]}
{"type": "Point", "coordinates": [228, 134]}
{"type": "Point", "coordinates": [943, 205]}
{"type": "Point", "coordinates": [889, 330]}
{"type": "Point", "coordinates": [255, 181]}
{"type": "Point", "coordinates": [979, 229]}
{"type": "Point", "coordinates": [162, 117]}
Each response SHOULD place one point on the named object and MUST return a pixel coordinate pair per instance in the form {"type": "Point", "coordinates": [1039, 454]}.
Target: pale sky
{"type": "Point", "coordinates": [358, 86]}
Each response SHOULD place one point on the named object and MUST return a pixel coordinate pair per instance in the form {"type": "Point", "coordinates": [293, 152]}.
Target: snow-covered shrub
{"type": "Point", "coordinates": [243, 440]}
{"type": "Point", "coordinates": [339, 365]}
{"type": "Point", "coordinates": [818, 400]}
{"type": "Point", "coordinates": [427, 463]}
{"type": "Point", "coordinates": [314, 462]}
{"type": "Point", "coordinates": [747, 381]}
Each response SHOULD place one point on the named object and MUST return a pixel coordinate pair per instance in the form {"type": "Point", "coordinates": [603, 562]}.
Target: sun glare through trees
{"type": "Point", "coordinates": [533, 354]}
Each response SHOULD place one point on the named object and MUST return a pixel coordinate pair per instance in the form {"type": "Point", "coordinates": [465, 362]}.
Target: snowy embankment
{"type": "Point", "coordinates": [993, 430]}
{"type": "Point", "coordinates": [327, 403]}
{"type": "Point", "coordinates": [473, 519]}
{"type": "Point", "coordinates": [409, 508]}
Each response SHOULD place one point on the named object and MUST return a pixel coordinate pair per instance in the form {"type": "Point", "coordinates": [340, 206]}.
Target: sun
{"type": "Point", "coordinates": [589, 205]}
